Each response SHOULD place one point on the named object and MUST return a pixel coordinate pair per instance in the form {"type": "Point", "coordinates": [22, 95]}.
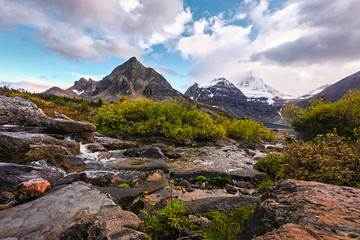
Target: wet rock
{"type": "Point", "coordinates": [250, 152]}
{"type": "Point", "coordinates": [115, 224]}
{"type": "Point", "coordinates": [71, 178]}
{"type": "Point", "coordinates": [64, 126]}
{"type": "Point", "coordinates": [132, 152]}
{"type": "Point", "coordinates": [153, 152]}
{"type": "Point", "coordinates": [293, 209]}
{"type": "Point", "coordinates": [105, 181]}
{"type": "Point", "coordinates": [47, 217]}
{"type": "Point", "coordinates": [68, 163]}
{"type": "Point", "coordinates": [125, 197]}
{"type": "Point", "coordinates": [167, 151]}
{"type": "Point", "coordinates": [150, 182]}
{"type": "Point", "coordinates": [20, 147]}
{"type": "Point", "coordinates": [96, 148]}
{"type": "Point", "coordinates": [221, 204]}
{"type": "Point", "coordinates": [138, 164]}
{"type": "Point", "coordinates": [107, 155]}
{"type": "Point", "coordinates": [247, 175]}
{"type": "Point", "coordinates": [192, 175]}
{"type": "Point", "coordinates": [31, 189]}
{"type": "Point", "coordinates": [115, 144]}
{"type": "Point", "coordinates": [230, 189]}
{"type": "Point", "coordinates": [19, 111]}
{"type": "Point", "coordinates": [12, 174]}
{"type": "Point", "coordinates": [84, 137]}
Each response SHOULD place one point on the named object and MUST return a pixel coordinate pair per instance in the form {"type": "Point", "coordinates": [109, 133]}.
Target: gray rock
{"type": "Point", "coordinates": [150, 182]}
{"type": "Point", "coordinates": [132, 152]}
{"type": "Point", "coordinates": [115, 144]}
{"type": "Point", "coordinates": [47, 217]}
{"type": "Point", "coordinates": [138, 164]}
{"type": "Point", "coordinates": [191, 175]}
{"type": "Point", "coordinates": [167, 151]}
{"type": "Point", "coordinates": [200, 221]}
{"type": "Point", "coordinates": [20, 147]}
{"type": "Point", "coordinates": [125, 197]}
{"type": "Point", "coordinates": [230, 189]}
{"type": "Point", "coordinates": [153, 152]}
{"type": "Point", "coordinates": [247, 175]}
{"type": "Point", "coordinates": [64, 126]}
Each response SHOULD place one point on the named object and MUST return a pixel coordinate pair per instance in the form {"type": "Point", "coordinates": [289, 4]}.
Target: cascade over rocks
{"type": "Point", "coordinates": [68, 163]}
{"type": "Point", "coordinates": [293, 209]}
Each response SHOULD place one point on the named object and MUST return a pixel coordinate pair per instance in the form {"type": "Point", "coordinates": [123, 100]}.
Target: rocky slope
{"type": "Point", "coordinates": [135, 81]}
{"type": "Point", "coordinates": [223, 94]}
{"type": "Point", "coordinates": [81, 89]}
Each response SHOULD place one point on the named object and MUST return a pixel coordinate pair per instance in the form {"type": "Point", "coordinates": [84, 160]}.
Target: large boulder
{"type": "Point", "coordinates": [12, 174]}
{"type": "Point", "coordinates": [19, 111]}
{"type": "Point", "coordinates": [47, 217]}
{"type": "Point", "coordinates": [31, 189]}
{"type": "Point", "coordinates": [20, 147]}
{"type": "Point", "coordinates": [65, 126]}
{"type": "Point", "coordinates": [293, 209]}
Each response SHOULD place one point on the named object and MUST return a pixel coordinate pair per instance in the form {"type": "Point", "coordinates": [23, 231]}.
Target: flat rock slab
{"type": "Point", "coordinates": [138, 164]}
{"type": "Point", "coordinates": [221, 204]}
{"type": "Point", "coordinates": [48, 216]}
{"type": "Point", "coordinates": [247, 175]}
{"type": "Point", "coordinates": [114, 143]}
{"type": "Point", "coordinates": [125, 197]}
{"type": "Point", "coordinates": [293, 209]}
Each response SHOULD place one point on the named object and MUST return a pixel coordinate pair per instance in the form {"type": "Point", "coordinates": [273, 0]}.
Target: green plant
{"type": "Point", "coordinates": [226, 225]}
{"type": "Point", "coordinates": [265, 184]}
{"type": "Point", "coordinates": [124, 185]}
{"type": "Point", "coordinates": [202, 178]}
{"type": "Point", "coordinates": [353, 235]}
{"type": "Point", "coordinates": [271, 165]}
{"type": "Point", "coordinates": [168, 222]}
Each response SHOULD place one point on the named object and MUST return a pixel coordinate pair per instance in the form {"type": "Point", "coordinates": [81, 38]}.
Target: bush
{"type": "Point", "coordinates": [271, 165]}
{"type": "Point", "coordinates": [168, 222]}
{"type": "Point", "coordinates": [327, 159]}
{"type": "Point", "coordinates": [227, 226]}
{"type": "Point", "coordinates": [265, 184]}
{"type": "Point", "coordinates": [323, 117]}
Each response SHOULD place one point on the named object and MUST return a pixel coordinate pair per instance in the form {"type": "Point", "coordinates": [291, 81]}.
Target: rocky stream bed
{"type": "Point", "coordinates": [59, 179]}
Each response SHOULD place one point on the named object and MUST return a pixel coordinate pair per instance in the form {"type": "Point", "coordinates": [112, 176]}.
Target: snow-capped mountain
{"type": "Point", "coordinates": [314, 92]}
{"type": "Point", "coordinates": [256, 89]}
{"type": "Point", "coordinates": [223, 94]}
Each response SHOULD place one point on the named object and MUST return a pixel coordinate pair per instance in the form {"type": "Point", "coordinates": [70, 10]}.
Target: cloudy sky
{"type": "Point", "coordinates": [293, 45]}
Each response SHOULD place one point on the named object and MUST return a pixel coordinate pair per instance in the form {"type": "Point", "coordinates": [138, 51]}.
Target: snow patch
{"type": "Point", "coordinates": [77, 92]}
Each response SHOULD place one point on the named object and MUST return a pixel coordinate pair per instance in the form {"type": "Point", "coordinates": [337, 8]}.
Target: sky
{"type": "Point", "coordinates": [294, 46]}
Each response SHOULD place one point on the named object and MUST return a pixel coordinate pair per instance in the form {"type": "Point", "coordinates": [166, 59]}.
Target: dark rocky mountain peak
{"type": "Point", "coordinates": [133, 80]}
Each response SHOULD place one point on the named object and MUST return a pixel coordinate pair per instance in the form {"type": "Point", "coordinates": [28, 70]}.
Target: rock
{"type": "Point", "coordinates": [243, 184]}
{"type": "Point", "coordinates": [31, 189]}
{"type": "Point", "coordinates": [64, 126]}
{"type": "Point", "coordinates": [68, 163]}
{"type": "Point", "coordinates": [220, 204]}
{"type": "Point", "coordinates": [153, 152]}
{"type": "Point", "coordinates": [251, 146]}
{"type": "Point", "coordinates": [107, 155]}
{"type": "Point", "coordinates": [293, 209]}
{"type": "Point", "coordinates": [116, 224]}
{"type": "Point", "coordinates": [200, 221]}
{"type": "Point", "coordinates": [84, 137]}
{"type": "Point", "coordinates": [138, 164]}
{"type": "Point", "coordinates": [115, 144]}
{"type": "Point", "coordinates": [12, 174]}
{"type": "Point", "coordinates": [132, 152]}
{"type": "Point", "coordinates": [230, 189]}
{"type": "Point", "coordinates": [125, 197]}
{"type": "Point", "coordinates": [71, 178]}
{"type": "Point", "coordinates": [47, 217]}
{"type": "Point", "coordinates": [185, 184]}
{"type": "Point", "coordinates": [191, 175]}
{"type": "Point", "coordinates": [150, 182]}
{"type": "Point", "coordinates": [19, 111]}
{"type": "Point", "coordinates": [96, 148]}
{"type": "Point", "coordinates": [20, 147]}
{"type": "Point", "coordinates": [247, 175]}
{"type": "Point", "coordinates": [167, 151]}
{"type": "Point", "coordinates": [250, 152]}
{"type": "Point", "coordinates": [105, 181]}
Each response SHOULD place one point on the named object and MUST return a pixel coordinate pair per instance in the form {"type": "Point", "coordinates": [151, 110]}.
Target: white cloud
{"type": "Point", "coordinates": [31, 84]}
{"type": "Point", "coordinates": [297, 48]}
{"type": "Point", "coordinates": [81, 29]}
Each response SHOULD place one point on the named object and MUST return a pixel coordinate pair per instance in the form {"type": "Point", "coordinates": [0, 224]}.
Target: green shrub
{"type": "Point", "coordinates": [265, 184]}
{"type": "Point", "coordinates": [168, 222]}
{"type": "Point", "coordinates": [271, 165]}
{"type": "Point", "coordinates": [247, 130]}
{"type": "Point", "coordinates": [353, 235]}
{"type": "Point", "coordinates": [226, 226]}
{"type": "Point", "coordinates": [201, 178]}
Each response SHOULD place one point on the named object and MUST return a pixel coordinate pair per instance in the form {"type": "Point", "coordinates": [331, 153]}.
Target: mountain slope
{"type": "Point", "coordinates": [81, 89]}
{"type": "Point", "coordinates": [134, 80]}
{"type": "Point", "coordinates": [225, 95]}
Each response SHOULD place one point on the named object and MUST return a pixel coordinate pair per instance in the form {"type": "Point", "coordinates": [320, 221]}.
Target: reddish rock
{"type": "Point", "coordinates": [96, 148]}
{"type": "Point", "coordinates": [293, 209]}
{"type": "Point", "coordinates": [150, 182]}
{"type": "Point", "coordinates": [105, 181]}
{"type": "Point", "coordinates": [31, 189]}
